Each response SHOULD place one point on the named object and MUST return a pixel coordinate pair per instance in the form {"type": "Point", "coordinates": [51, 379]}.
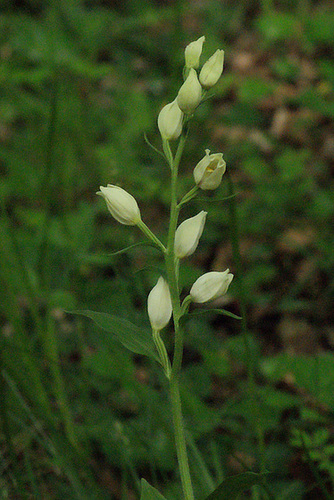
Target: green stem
{"type": "Point", "coordinates": [173, 281]}
{"type": "Point", "coordinates": [188, 196]}
{"type": "Point", "coordinates": [180, 441]}
{"type": "Point", "coordinates": [164, 359]}
{"type": "Point", "coordinates": [151, 236]}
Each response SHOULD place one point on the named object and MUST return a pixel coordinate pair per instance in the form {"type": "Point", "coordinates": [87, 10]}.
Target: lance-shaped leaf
{"type": "Point", "coordinates": [149, 493]}
{"type": "Point", "coordinates": [232, 486]}
{"type": "Point", "coordinates": [132, 337]}
{"type": "Point", "coordinates": [222, 312]}
{"type": "Point", "coordinates": [201, 312]}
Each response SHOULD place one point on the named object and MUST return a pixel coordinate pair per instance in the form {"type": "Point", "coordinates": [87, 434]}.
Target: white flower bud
{"type": "Point", "coordinates": [190, 94]}
{"type": "Point", "coordinates": [211, 285]}
{"type": "Point", "coordinates": [170, 121]}
{"type": "Point", "coordinates": [212, 69]}
{"type": "Point", "coordinates": [193, 52]}
{"type": "Point", "coordinates": [188, 234]}
{"type": "Point", "coordinates": [122, 206]}
{"type": "Point", "coordinates": [209, 171]}
{"type": "Point", "coordinates": [159, 305]}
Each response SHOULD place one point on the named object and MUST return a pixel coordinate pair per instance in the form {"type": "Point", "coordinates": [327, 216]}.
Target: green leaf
{"type": "Point", "coordinates": [149, 493]}
{"type": "Point", "coordinates": [153, 147]}
{"type": "Point", "coordinates": [218, 200]}
{"type": "Point", "coordinates": [131, 336]}
{"type": "Point", "coordinates": [216, 311]}
{"type": "Point", "coordinates": [230, 488]}
{"type": "Point", "coordinates": [104, 259]}
{"type": "Point", "coordinates": [139, 244]}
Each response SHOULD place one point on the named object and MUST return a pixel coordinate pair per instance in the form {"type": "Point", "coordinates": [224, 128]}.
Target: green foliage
{"type": "Point", "coordinates": [313, 374]}
{"type": "Point", "coordinates": [80, 84]}
{"type": "Point", "coordinates": [133, 338]}
{"type": "Point", "coordinates": [231, 487]}
{"type": "Point", "coordinates": [149, 493]}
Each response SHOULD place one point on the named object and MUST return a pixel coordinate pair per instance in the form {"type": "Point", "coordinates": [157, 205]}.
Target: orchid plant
{"type": "Point", "coordinates": [164, 301]}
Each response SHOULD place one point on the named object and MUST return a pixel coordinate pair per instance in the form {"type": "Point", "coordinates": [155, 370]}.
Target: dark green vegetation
{"type": "Point", "coordinates": [81, 82]}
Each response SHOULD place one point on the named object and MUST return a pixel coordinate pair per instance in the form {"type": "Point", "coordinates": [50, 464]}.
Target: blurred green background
{"type": "Point", "coordinates": [81, 83]}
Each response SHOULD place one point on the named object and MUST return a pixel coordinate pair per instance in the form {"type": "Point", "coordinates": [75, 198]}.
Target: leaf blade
{"type": "Point", "coordinates": [132, 337]}
{"type": "Point", "coordinates": [222, 312]}
{"type": "Point", "coordinates": [233, 485]}
{"type": "Point", "coordinates": [149, 493]}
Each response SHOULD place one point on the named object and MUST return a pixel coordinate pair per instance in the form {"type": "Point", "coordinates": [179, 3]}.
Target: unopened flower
{"type": "Point", "coordinates": [212, 69]}
{"type": "Point", "coordinates": [211, 285]}
{"type": "Point", "coordinates": [188, 234]}
{"type": "Point", "coordinates": [122, 206]}
{"type": "Point", "coordinates": [159, 305]}
{"type": "Point", "coordinates": [209, 171]}
{"type": "Point", "coordinates": [170, 121]}
{"type": "Point", "coordinates": [193, 52]}
{"type": "Point", "coordinates": [190, 94]}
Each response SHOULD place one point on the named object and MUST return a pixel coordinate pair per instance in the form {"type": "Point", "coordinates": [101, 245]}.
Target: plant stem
{"type": "Point", "coordinates": [159, 344]}
{"type": "Point", "coordinates": [173, 281]}
{"type": "Point", "coordinates": [180, 441]}
{"type": "Point", "coordinates": [151, 236]}
{"type": "Point", "coordinates": [188, 196]}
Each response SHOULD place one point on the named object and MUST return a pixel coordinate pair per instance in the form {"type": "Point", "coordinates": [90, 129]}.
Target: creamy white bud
{"type": "Point", "coordinates": [170, 121]}
{"type": "Point", "coordinates": [209, 171]}
{"type": "Point", "coordinates": [122, 206]}
{"type": "Point", "coordinates": [159, 305]}
{"type": "Point", "coordinates": [188, 234]}
{"type": "Point", "coordinates": [212, 69]}
{"type": "Point", "coordinates": [193, 52]}
{"type": "Point", "coordinates": [211, 285]}
{"type": "Point", "coordinates": [190, 94]}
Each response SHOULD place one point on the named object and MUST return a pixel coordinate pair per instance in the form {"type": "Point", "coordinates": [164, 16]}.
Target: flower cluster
{"type": "Point", "coordinates": [207, 287]}
{"type": "Point", "coordinates": [171, 117]}
{"type": "Point", "coordinates": [207, 174]}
